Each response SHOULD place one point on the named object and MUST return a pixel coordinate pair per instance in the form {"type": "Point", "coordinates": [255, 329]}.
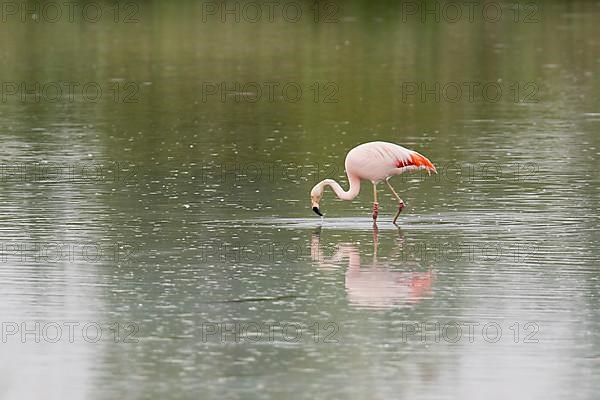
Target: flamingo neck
{"type": "Point", "coordinates": [341, 193]}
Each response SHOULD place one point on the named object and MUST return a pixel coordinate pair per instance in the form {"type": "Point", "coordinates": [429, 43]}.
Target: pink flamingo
{"type": "Point", "coordinates": [375, 162]}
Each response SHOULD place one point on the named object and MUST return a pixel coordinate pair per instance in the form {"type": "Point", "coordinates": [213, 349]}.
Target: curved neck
{"type": "Point", "coordinates": [339, 192]}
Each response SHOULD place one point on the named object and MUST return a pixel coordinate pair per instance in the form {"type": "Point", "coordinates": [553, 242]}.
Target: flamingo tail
{"type": "Point", "coordinates": [421, 161]}
{"type": "Point", "coordinates": [416, 160]}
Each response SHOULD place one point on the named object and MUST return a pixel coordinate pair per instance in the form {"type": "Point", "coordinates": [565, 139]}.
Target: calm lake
{"type": "Point", "coordinates": [156, 236]}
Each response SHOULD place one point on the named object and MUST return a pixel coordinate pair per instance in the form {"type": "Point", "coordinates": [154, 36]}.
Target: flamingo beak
{"type": "Point", "coordinates": [314, 201]}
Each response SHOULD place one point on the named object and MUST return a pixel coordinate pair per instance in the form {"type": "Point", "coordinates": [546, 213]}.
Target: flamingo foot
{"type": "Point", "coordinates": [375, 211]}
{"type": "Point", "coordinates": [401, 206]}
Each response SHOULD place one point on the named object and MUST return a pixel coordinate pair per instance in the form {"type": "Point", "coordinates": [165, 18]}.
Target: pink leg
{"type": "Point", "coordinates": [375, 211]}
{"type": "Point", "coordinates": [401, 203]}
{"type": "Point", "coordinates": [401, 206]}
{"type": "Point", "coordinates": [375, 203]}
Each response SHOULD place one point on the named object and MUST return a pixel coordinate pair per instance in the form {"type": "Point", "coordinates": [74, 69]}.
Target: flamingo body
{"type": "Point", "coordinates": [378, 161]}
{"type": "Point", "coordinates": [375, 162]}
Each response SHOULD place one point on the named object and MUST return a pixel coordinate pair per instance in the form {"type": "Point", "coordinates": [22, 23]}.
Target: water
{"type": "Point", "coordinates": [157, 238]}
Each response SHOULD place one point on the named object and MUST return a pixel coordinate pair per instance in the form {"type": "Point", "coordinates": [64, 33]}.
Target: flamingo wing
{"type": "Point", "coordinates": [412, 160]}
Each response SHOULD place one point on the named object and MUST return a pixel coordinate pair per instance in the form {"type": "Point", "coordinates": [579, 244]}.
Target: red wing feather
{"type": "Point", "coordinates": [416, 160]}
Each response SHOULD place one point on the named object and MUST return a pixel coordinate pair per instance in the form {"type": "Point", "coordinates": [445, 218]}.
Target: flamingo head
{"type": "Point", "coordinates": [315, 197]}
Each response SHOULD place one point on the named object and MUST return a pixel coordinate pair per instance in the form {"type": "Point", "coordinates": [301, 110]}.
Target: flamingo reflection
{"type": "Point", "coordinates": [377, 285]}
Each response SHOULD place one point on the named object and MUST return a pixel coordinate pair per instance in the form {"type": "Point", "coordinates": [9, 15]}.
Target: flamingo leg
{"type": "Point", "coordinates": [401, 203]}
{"type": "Point", "coordinates": [375, 203]}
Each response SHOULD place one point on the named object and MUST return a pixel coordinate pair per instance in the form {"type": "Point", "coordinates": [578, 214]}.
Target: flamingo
{"type": "Point", "coordinates": [375, 162]}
